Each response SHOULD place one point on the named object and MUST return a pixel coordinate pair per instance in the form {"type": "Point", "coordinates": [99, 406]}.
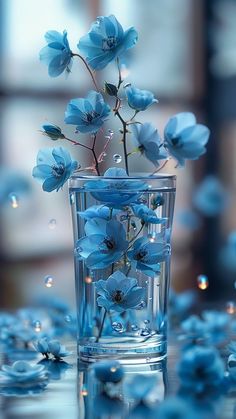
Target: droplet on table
{"type": "Point", "coordinates": [202, 282]}
{"type": "Point", "coordinates": [52, 224]}
{"type": "Point", "coordinates": [48, 280]}
{"type": "Point", "coordinates": [37, 326]}
{"type": "Point", "coordinates": [118, 327]}
{"type": "Point", "coordinates": [14, 200]}
{"type": "Point", "coordinates": [117, 158]}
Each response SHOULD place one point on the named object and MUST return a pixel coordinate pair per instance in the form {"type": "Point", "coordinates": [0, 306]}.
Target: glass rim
{"type": "Point", "coordinates": [135, 176]}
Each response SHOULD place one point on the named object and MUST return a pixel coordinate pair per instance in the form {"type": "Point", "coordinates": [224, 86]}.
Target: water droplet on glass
{"type": "Point", "coordinates": [142, 305]}
{"type": "Point", "coordinates": [117, 158]}
{"type": "Point", "coordinates": [52, 224]}
{"type": "Point", "coordinates": [230, 307]}
{"type": "Point", "coordinates": [72, 198]}
{"type": "Point", "coordinates": [48, 280]}
{"type": "Point", "coordinates": [111, 132]}
{"type": "Point", "coordinates": [146, 321]}
{"type": "Point", "coordinates": [37, 326]}
{"type": "Point", "coordinates": [68, 318]}
{"type": "Point", "coordinates": [202, 282]}
{"type": "Point", "coordinates": [145, 332]}
{"type": "Point", "coordinates": [118, 327]}
{"type": "Point", "coordinates": [14, 200]}
{"type": "Point", "coordinates": [150, 298]}
{"type": "Point", "coordinates": [134, 327]}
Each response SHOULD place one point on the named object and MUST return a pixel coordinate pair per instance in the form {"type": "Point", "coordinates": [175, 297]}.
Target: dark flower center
{"type": "Point", "coordinates": [141, 149]}
{"type": "Point", "coordinates": [58, 171]}
{"type": "Point", "coordinates": [141, 255]}
{"type": "Point", "coordinates": [90, 116]}
{"type": "Point", "coordinates": [109, 243]}
{"type": "Point", "coordinates": [109, 43]}
{"type": "Point", "coordinates": [118, 296]}
{"type": "Point", "coordinates": [176, 141]}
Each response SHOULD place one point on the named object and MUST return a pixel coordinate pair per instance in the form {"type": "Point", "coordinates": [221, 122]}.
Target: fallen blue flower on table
{"type": "Point", "coordinates": [138, 99]}
{"type": "Point", "coordinates": [119, 293]}
{"type": "Point", "coordinates": [57, 350]}
{"type": "Point", "coordinates": [57, 54]}
{"type": "Point", "coordinates": [104, 243]}
{"type": "Point", "coordinates": [146, 255]}
{"type": "Point", "coordinates": [88, 114]}
{"type": "Point", "coordinates": [21, 373]}
{"type": "Point", "coordinates": [147, 215]}
{"type": "Point", "coordinates": [184, 138]}
{"type": "Point", "coordinates": [194, 328]}
{"type": "Point", "coordinates": [217, 325]}
{"type": "Point", "coordinates": [210, 197]}
{"type": "Point", "coordinates": [110, 371]}
{"type": "Point", "coordinates": [115, 192]}
{"type": "Point", "coordinates": [54, 167]}
{"type": "Point", "coordinates": [106, 41]}
{"type": "Point", "coordinates": [41, 346]}
{"type": "Point", "coordinates": [147, 140]}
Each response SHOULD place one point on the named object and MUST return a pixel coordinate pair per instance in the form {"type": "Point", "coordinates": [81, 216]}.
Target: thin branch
{"type": "Point", "coordinates": [88, 68]}
{"type": "Point", "coordinates": [77, 143]}
{"type": "Point", "coordinates": [161, 167]}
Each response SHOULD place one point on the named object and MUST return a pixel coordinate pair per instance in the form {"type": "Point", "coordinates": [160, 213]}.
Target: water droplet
{"type": "Point", "coordinates": [111, 132]}
{"type": "Point", "coordinates": [68, 318]}
{"type": "Point", "coordinates": [202, 282]}
{"type": "Point", "coordinates": [72, 198]}
{"type": "Point", "coordinates": [150, 298]}
{"type": "Point", "coordinates": [134, 327]}
{"type": "Point", "coordinates": [118, 327]}
{"type": "Point", "coordinates": [48, 280]}
{"type": "Point", "coordinates": [133, 225]}
{"type": "Point", "coordinates": [52, 224]}
{"type": "Point", "coordinates": [146, 321]}
{"type": "Point", "coordinates": [145, 332]}
{"type": "Point", "coordinates": [117, 158]}
{"type": "Point", "coordinates": [37, 326]}
{"type": "Point", "coordinates": [88, 280]}
{"type": "Point", "coordinates": [14, 200]}
{"type": "Point", "coordinates": [142, 305]}
{"type": "Point", "coordinates": [230, 307]}
{"type": "Point", "coordinates": [146, 282]}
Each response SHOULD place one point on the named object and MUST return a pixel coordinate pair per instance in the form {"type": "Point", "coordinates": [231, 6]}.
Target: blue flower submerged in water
{"type": "Point", "coordinates": [22, 373]}
{"type": "Point", "coordinates": [184, 138]}
{"type": "Point", "coordinates": [147, 215]}
{"type": "Point", "coordinates": [116, 192]}
{"type": "Point", "coordinates": [98, 211]}
{"type": "Point", "coordinates": [54, 167]}
{"type": "Point", "coordinates": [147, 255]}
{"type": "Point", "coordinates": [148, 141]}
{"type": "Point", "coordinates": [140, 386]}
{"type": "Point", "coordinates": [88, 114]}
{"type": "Point", "coordinates": [138, 99]}
{"type": "Point", "coordinates": [108, 371]}
{"type": "Point", "coordinates": [57, 54]}
{"type": "Point", "coordinates": [201, 370]}
{"type": "Point", "coordinates": [106, 41]}
{"type": "Point", "coordinates": [119, 293]}
{"type": "Point", "coordinates": [210, 197]}
{"type": "Point", "coordinates": [104, 243]}
{"type": "Point", "coordinates": [57, 350]}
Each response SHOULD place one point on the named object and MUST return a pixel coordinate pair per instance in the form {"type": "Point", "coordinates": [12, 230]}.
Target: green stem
{"type": "Point", "coordinates": [88, 68]}
{"type": "Point", "coordinates": [101, 326]}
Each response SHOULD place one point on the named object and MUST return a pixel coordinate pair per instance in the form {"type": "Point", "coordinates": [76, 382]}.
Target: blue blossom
{"type": "Point", "coordinates": [139, 99]}
{"type": "Point", "coordinates": [57, 350]}
{"type": "Point", "coordinates": [194, 328]}
{"type": "Point", "coordinates": [119, 292]}
{"type": "Point", "coordinates": [147, 215]}
{"type": "Point", "coordinates": [210, 197]}
{"type": "Point", "coordinates": [116, 193]}
{"type": "Point", "coordinates": [42, 346]}
{"type": "Point", "coordinates": [104, 243]}
{"type": "Point", "coordinates": [57, 54]}
{"type": "Point", "coordinates": [148, 141]}
{"type": "Point", "coordinates": [201, 370]}
{"type": "Point", "coordinates": [140, 386]}
{"type": "Point", "coordinates": [109, 371]}
{"type": "Point", "coordinates": [52, 131]}
{"type": "Point", "coordinates": [55, 368]}
{"type": "Point", "coordinates": [21, 372]}
{"type": "Point", "coordinates": [106, 41]}
{"type": "Point", "coordinates": [54, 167]}
{"type": "Point", "coordinates": [88, 114]}
{"type": "Point", "coordinates": [98, 211]}
{"type": "Point", "coordinates": [216, 325]}
{"type": "Point", "coordinates": [184, 138]}
{"type": "Point", "coordinates": [147, 255]}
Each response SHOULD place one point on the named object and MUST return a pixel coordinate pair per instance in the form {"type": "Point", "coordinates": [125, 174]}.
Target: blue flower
{"type": "Point", "coordinates": [104, 244]}
{"type": "Point", "coordinates": [147, 255]}
{"type": "Point", "coordinates": [52, 131]}
{"type": "Point", "coordinates": [42, 346]}
{"type": "Point", "coordinates": [57, 350]}
{"type": "Point", "coordinates": [98, 211]}
{"type": "Point", "coordinates": [147, 215]}
{"type": "Point", "coordinates": [194, 328]}
{"type": "Point", "coordinates": [106, 41]}
{"type": "Point", "coordinates": [55, 368]}
{"type": "Point", "coordinates": [119, 293]}
{"type": "Point", "coordinates": [88, 114]}
{"type": "Point", "coordinates": [201, 370]}
{"type": "Point", "coordinates": [210, 197]}
{"type": "Point", "coordinates": [216, 325]}
{"type": "Point", "coordinates": [184, 138]}
{"type": "Point", "coordinates": [139, 99]}
{"type": "Point", "coordinates": [148, 141]}
{"type": "Point", "coordinates": [115, 192]}
{"type": "Point", "coordinates": [54, 167]}
{"type": "Point", "coordinates": [22, 372]}
{"type": "Point", "coordinates": [57, 54]}
{"type": "Point", "coordinates": [140, 386]}
{"type": "Point", "coordinates": [108, 371]}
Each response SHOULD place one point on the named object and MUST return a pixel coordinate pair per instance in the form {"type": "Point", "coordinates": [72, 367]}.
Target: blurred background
{"type": "Point", "coordinates": [186, 55]}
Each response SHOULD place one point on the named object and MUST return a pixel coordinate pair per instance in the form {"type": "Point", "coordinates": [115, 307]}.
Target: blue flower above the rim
{"type": "Point", "coordinates": [148, 141]}
{"type": "Point", "coordinates": [147, 215]}
{"type": "Point", "coordinates": [88, 114]}
{"type": "Point", "coordinates": [184, 138]}
{"type": "Point", "coordinates": [57, 54]}
{"type": "Point", "coordinates": [106, 41]}
{"type": "Point", "coordinates": [138, 99]}
{"type": "Point", "coordinates": [115, 193]}
{"type": "Point", "coordinates": [147, 256]}
{"type": "Point", "coordinates": [119, 293]}
{"type": "Point", "coordinates": [210, 197]}
{"type": "Point", "coordinates": [52, 131]}
{"type": "Point", "coordinates": [54, 167]}
{"type": "Point", "coordinates": [104, 243]}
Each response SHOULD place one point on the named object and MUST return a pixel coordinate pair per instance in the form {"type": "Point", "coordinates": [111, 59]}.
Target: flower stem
{"type": "Point", "coordinates": [94, 155]}
{"type": "Point", "coordinates": [124, 124]}
{"type": "Point", "coordinates": [88, 68]}
{"type": "Point", "coordinates": [77, 143]}
{"type": "Point", "coordinates": [161, 167]}
{"type": "Point", "coordinates": [101, 326]}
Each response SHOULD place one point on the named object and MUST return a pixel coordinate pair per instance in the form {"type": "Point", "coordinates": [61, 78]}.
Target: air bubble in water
{"type": "Point", "coordinates": [72, 198]}
{"type": "Point", "coordinates": [145, 332]}
{"type": "Point", "coordinates": [134, 327]}
{"type": "Point", "coordinates": [37, 326]}
{"type": "Point", "coordinates": [117, 158]}
{"type": "Point", "coordinates": [142, 305]}
{"type": "Point", "coordinates": [68, 318]}
{"type": "Point", "coordinates": [118, 327]}
{"type": "Point", "coordinates": [52, 224]}
{"type": "Point", "coordinates": [48, 280]}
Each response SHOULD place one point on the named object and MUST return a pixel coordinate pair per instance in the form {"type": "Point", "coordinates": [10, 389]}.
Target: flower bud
{"type": "Point", "coordinates": [53, 132]}
{"type": "Point", "coordinates": [110, 89]}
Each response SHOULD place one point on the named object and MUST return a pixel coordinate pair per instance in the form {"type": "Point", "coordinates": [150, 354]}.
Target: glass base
{"type": "Point", "coordinates": [127, 351]}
